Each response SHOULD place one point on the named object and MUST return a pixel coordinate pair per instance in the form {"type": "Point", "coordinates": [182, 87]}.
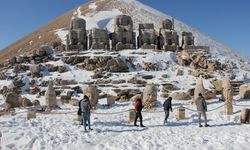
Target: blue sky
{"type": "Point", "coordinates": [227, 21]}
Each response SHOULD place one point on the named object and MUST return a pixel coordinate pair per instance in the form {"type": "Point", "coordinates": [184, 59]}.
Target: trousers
{"type": "Point", "coordinates": [85, 119]}
{"type": "Point", "coordinates": [166, 116]}
{"type": "Point", "coordinates": [138, 115]}
{"type": "Point", "coordinates": [203, 113]}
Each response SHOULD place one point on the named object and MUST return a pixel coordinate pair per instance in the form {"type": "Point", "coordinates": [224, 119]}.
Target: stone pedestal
{"type": "Point", "coordinates": [245, 116]}
{"type": "Point", "coordinates": [50, 96]}
{"type": "Point", "coordinates": [31, 115]}
{"type": "Point", "coordinates": [228, 96]}
{"type": "Point", "coordinates": [149, 96]}
{"type": "Point", "coordinates": [180, 114]}
{"type": "Point", "coordinates": [131, 116]}
{"type": "Point", "coordinates": [199, 88]}
{"type": "Point", "coordinates": [110, 100]}
{"type": "Point", "coordinates": [93, 95]}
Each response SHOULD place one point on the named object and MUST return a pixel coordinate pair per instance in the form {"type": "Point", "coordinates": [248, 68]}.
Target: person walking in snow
{"type": "Point", "coordinates": [167, 105]}
{"type": "Point", "coordinates": [85, 109]}
{"type": "Point", "coordinates": [138, 109]}
{"type": "Point", "coordinates": [202, 109]}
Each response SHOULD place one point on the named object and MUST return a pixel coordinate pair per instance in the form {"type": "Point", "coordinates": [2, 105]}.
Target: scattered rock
{"type": "Point", "coordinates": [134, 80]}
{"type": "Point", "coordinates": [164, 76]}
{"type": "Point", "coordinates": [147, 77]}
{"type": "Point", "coordinates": [12, 100]}
{"type": "Point", "coordinates": [245, 116]}
{"type": "Point", "coordinates": [245, 91]}
{"type": "Point", "coordinates": [25, 102]}
{"type": "Point", "coordinates": [36, 103]}
{"type": "Point", "coordinates": [167, 87]}
{"type": "Point", "coordinates": [74, 102]}
{"type": "Point", "coordinates": [118, 81]}
{"type": "Point", "coordinates": [210, 95]}
{"type": "Point", "coordinates": [217, 85]}
{"type": "Point", "coordinates": [179, 72]}
{"type": "Point", "coordinates": [180, 96]}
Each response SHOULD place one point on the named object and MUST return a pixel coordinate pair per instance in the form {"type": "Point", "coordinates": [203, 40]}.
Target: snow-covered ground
{"type": "Point", "coordinates": [113, 132]}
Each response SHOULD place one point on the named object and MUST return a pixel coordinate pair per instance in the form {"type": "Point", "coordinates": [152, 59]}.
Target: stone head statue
{"type": "Point", "coordinates": [167, 24]}
{"type": "Point", "coordinates": [78, 23]}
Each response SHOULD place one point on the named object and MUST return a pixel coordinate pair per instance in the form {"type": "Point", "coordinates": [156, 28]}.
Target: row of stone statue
{"type": "Point", "coordinates": [124, 37]}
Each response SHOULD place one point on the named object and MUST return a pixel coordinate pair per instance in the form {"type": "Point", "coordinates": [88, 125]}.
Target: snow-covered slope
{"type": "Point", "coordinates": [59, 130]}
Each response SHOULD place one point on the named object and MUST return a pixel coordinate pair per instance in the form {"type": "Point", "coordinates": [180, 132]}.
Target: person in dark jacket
{"type": "Point", "coordinates": [202, 109]}
{"type": "Point", "coordinates": [79, 112]}
{"type": "Point", "coordinates": [167, 105]}
{"type": "Point", "coordinates": [138, 109]}
{"type": "Point", "coordinates": [85, 109]}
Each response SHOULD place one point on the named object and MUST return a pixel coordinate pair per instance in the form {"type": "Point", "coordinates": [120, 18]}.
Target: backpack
{"type": "Point", "coordinates": [79, 112]}
{"type": "Point", "coordinates": [85, 106]}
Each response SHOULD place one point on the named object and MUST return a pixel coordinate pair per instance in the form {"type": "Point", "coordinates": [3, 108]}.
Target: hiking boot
{"type": "Point", "coordinates": [142, 126]}
{"type": "Point", "coordinates": [136, 125]}
{"type": "Point", "coordinates": [200, 125]}
{"type": "Point", "coordinates": [207, 125]}
{"type": "Point", "coordinates": [90, 129]}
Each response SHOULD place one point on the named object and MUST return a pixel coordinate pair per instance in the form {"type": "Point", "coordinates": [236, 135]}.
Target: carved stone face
{"type": "Point", "coordinates": [167, 24]}
{"type": "Point", "coordinates": [78, 24]}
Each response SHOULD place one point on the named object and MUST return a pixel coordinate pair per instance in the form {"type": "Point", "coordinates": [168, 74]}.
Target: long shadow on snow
{"type": "Point", "coordinates": [172, 124]}
{"type": "Point", "coordinates": [121, 124]}
{"type": "Point", "coordinates": [113, 123]}
{"type": "Point", "coordinates": [226, 124]}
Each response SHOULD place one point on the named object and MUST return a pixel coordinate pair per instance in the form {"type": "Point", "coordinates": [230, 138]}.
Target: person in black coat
{"type": "Point", "coordinates": [79, 112]}
{"type": "Point", "coordinates": [138, 109]}
{"type": "Point", "coordinates": [167, 105]}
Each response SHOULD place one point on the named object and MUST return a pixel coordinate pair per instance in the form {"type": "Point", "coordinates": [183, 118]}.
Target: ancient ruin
{"type": "Point", "coordinates": [187, 40]}
{"type": "Point", "coordinates": [99, 39]}
{"type": "Point", "coordinates": [147, 38]}
{"type": "Point", "coordinates": [77, 37]}
{"type": "Point", "coordinates": [228, 96]}
{"type": "Point", "coordinates": [199, 88]}
{"type": "Point", "coordinates": [149, 96]}
{"type": "Point", "coordinates": [93, 95]}
{"type": "Point", "coordinates": [50, 97]}
{"type": "Point", "coordinates": [244, 91]}
{"type": "Point", "coordinates": [123, 36]}
{"type": "Point", "coordinates": [168, 38]}
{"type": "Point", "coordinates": [245, 116]}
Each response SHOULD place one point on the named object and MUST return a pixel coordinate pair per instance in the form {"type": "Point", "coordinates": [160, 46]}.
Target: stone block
{"type": "Point", "coordinates": [180, 114]}
{"type": "Point", "coordinates": [31, 115]}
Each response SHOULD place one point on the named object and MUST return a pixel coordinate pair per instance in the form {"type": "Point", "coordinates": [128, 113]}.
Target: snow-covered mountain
{"type": "Point", "coordinates": [120, 75]}
{"type": "Point", "coordinates": [100, 13]}
{"type": "Point", "coordinates": [140, 13]}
